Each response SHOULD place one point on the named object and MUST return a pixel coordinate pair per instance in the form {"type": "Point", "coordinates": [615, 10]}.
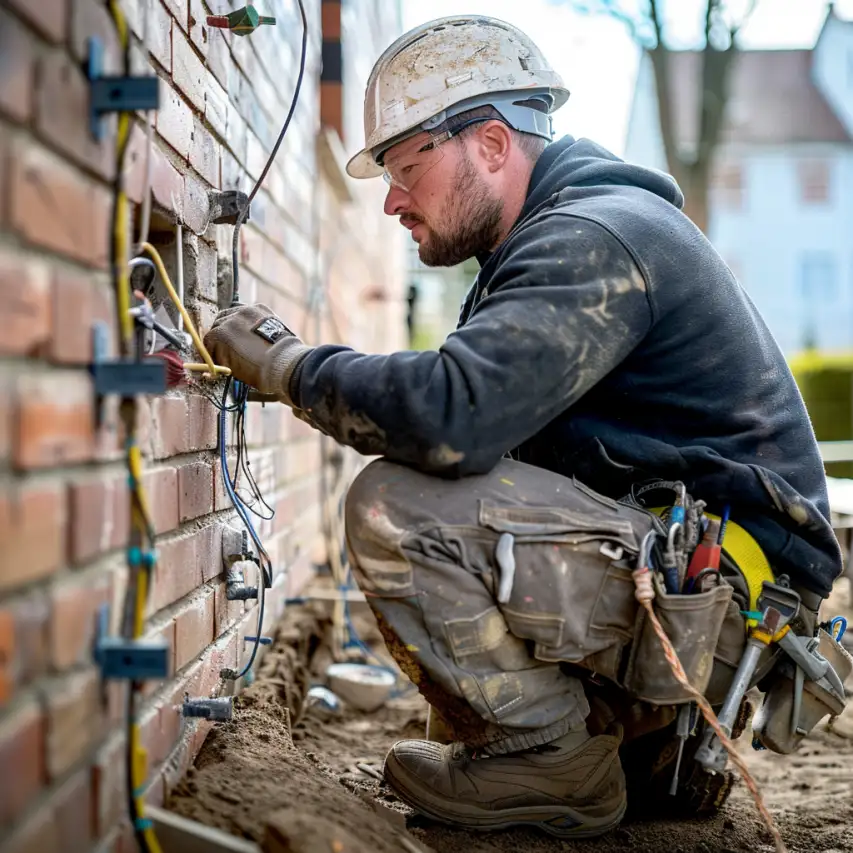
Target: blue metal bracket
{"type": "Point", "coordinates": [135, 660]}
{"type": "Point", "coordinates": [109, 94]}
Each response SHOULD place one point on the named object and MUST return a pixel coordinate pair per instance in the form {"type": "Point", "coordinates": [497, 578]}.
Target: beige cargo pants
{"type": "Point", "coordinates": [503, 596]}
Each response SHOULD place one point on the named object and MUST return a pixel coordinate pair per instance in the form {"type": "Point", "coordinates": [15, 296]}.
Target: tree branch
{"type": "Point", "coordinates": [659, 56]}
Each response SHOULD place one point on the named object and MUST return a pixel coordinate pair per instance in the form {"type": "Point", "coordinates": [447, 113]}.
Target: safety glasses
{"type": "Point", "coordinates": [409, 163]}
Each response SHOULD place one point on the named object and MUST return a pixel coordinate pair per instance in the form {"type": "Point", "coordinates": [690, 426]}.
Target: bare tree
{"type": "Point", "coordinates": [721, 23]}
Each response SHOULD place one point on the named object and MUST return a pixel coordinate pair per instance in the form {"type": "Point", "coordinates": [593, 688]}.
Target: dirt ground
{"type": "Point", "coordinates": [315, 777]}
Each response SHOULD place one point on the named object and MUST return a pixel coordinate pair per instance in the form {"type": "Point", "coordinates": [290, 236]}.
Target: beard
{"type": "Point", "coordinates": [470, 221]}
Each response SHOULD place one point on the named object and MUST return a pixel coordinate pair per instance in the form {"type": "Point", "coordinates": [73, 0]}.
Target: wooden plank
{"type": "Point", "coordinates": [178, 834]}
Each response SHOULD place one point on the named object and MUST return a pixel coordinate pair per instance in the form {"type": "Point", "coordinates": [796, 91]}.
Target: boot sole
{"type": "Point", "coordinates": [560, 821]}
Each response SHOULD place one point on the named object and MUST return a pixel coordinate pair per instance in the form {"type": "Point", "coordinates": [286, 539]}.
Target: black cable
{"type": "Point", "coordinates": [241, 218]}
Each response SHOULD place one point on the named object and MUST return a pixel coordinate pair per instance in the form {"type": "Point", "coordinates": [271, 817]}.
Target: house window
{"type": "Point", "coordinates": [728, 185]}
{"type": "Point", "coordinates": [814, 181]}
{"type": "Point", "coordinates": [818, 277]}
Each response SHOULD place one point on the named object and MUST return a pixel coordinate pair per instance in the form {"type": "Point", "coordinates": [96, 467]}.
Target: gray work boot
{"type": "Point", "coordinates": [573, 787]}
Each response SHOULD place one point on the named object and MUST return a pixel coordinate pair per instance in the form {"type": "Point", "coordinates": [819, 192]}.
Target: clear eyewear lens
{"type": "Point", "coordinates": [405, 169]}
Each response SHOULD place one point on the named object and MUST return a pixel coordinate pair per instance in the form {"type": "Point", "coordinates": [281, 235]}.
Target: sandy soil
{"type": "Point", "coordinates": [317, 776]}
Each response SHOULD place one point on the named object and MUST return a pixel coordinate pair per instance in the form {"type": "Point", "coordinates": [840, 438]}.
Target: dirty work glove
{"type": "Point", "coordinates": [260, 350]}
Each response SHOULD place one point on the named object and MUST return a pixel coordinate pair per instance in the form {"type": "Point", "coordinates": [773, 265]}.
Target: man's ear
{"type": "Point", "coordinates": [495, 143]}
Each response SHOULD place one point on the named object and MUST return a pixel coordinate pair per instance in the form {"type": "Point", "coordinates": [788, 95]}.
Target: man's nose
{"type": "Point", "coordinates": [396, 202]}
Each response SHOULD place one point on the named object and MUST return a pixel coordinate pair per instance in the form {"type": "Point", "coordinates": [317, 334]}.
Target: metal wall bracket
{"type": "Point", "coordinates": [135, 660]}
{"type": "Point", "coordinates": [227, 205]}
{"type": "Point", "coordinates": [111, 94]}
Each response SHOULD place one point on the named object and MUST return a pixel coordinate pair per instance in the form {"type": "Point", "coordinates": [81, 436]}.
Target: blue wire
{"type": "Point", "coordinates": [238, 505]}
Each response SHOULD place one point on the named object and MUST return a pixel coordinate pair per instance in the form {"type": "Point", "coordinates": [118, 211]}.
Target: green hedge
{"type": "Point", "coordinates": [826, 383]}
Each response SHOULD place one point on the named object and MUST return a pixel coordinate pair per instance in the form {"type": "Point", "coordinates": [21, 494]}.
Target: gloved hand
{"type": "Point", "coordinates": [260, 350]}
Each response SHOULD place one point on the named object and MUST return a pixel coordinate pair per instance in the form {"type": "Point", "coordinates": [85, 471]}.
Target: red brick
{"type": "Point", "coordinates": [171, 426]}
{"type": "Point", "coordinates": [204, 424]}
{"type": "Point", "coordinates": [227, 613]}
{"type": "Point", "coordinates": [188, 70]}
{"type": "Point", "coordinates": [198, 26]}
{"type": "Point", "coordinates": [194, 629]}
{"type": "Point", "coordinates": [17, 82]}
{"type": "Point", "coordinates": [56, 207]}
{"type": "Point", "coordinates": [195, 490]}
{"type": "Point", "coordinates": [32, 532]}
{"type": "Point", "coordinates": [162, 489]}
{"type": "Point", "coordinates": [49, 17]}
{"type": "Point", "coordinates": [23, 643]}
{"type": "Point", "coordinates": [25, 321]}
{"type": "Point", "coordinates": [175, 121]}
{"type": "Point", "coordinates": [196, 205]}
{"type": "Point", "coordinates": [38, 834]}
{"type": "Point", "coordinates": [178, 572]}
{"type": "Point", "coordinates": [135, 163]}
{"type": "Point", "coordinates": [62, 114]}
{"type": "Point", "coordinates": [72, 806]}
{"type": "Point", "coordinates": [108, 786]}
{"type": "Point", "coordinates": [74, 715]}
{"type": "Point", "coordinates": [22, 748]}
{"type": "Point", "coordinates": [167, 183]}
{"type": "Point", "coordinates": [5, 181]}
{"type": "Point", "coordinates": [78, 301]}
{"type": "Point", "coordinates": [204, 153]}
{"type": "Point", "coordinates": [55, 423]}
{"type": "Point", "coordinates": [73, 622]}
{"type": "Point", "coordinates": [99, 516]}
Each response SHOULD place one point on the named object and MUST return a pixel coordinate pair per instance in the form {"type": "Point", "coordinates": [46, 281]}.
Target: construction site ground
{"type": "Point", "coordinates": [295, 779]}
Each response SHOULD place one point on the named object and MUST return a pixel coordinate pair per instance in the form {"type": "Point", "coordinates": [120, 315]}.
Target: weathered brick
{"type": "Point", "coordinates": [76, 602]}
{"type": "Point", "coordinates": [167, 183]}
{"type": "Point", "coordinates": [21, 747]}
{"type": "Point", "coordinates": [32, 532]}
{"type": "Point", "coordinates": [188, 70]}
{"type": "Point", "coordinates": [175, 121]}
{"type": "Point", "coordinates": [91, 18]}
{"type": "Point", "coordinates": [17, 83]}
{"type": "Point", "coordinates": [179, 10]}
{"type": "Point", "coordinates": [198, 26]}
{"type": "Point", "coordinates": [203, 423]}
{"type": "Point", "coordinates": [218, 56]}
{"type": "Point", "coordinates": [196, 206]}
{"type": "Point", "coordinates": [56, 207]}
{"type": "Point", "coordinates": [195, 489]}
{"type": "Point", "coordinates": [171, 426]}
{"type": "Point", "coordinates": [204, 153]}
{"type": "Point", "coordinates": [162, 489]}
{"type": "Point", "coordinates": [55, 423]}
{"type": "Point", "coordinates": [25, 321]}
{"type": "Point", "coordinates": [194, 628]}
{"type": "Point", "coordinates": [227, 613]}
{"type": "Point", "coordinates": [99, 510]}
{"type": "Point", "coordinates": [62, 114]}
{"type": "Point", "coordinates": [49, 17]}
{"type": "Point", "coordinates": [216, 107]}
{"type": "Point", "coordinates": [72, 808]}
{"type": "Point", "coordinates": [73, 715]}
{"type": "Point", "coordinates": [77, 302]}
{"type": "Point", "coordinates": [158, 36]}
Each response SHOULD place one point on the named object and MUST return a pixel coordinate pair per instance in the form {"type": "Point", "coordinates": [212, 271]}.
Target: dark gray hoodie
{"type": "Point", "coordinates": [605, 338]}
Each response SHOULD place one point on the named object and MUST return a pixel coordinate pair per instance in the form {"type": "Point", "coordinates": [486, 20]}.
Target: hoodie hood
{"type": "Point", "coordinates": [582, 163]}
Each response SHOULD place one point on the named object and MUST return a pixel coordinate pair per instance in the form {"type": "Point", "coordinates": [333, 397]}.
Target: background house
{"type": "Point", "coordinates": [781, 205]}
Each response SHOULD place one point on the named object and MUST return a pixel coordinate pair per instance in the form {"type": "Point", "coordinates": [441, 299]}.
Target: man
{"type": "Point", "coordinates": [605, 345]}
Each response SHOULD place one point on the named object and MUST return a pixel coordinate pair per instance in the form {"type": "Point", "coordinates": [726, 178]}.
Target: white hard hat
{"type": "Point", "coordinates": [446, 67]}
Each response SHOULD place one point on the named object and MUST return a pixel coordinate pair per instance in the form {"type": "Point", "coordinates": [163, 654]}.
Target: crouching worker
{"type": "Point", "coordinates": [610, 391]}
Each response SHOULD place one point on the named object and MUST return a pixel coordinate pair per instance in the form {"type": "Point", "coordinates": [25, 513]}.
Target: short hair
{"type": "Point", "coordinates": [531, 144]}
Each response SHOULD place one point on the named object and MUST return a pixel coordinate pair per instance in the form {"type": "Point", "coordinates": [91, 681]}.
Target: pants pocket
{"type": "Point", "coordinates": [572, 594]}
{"type": "Point", "coordinates": [693, 624]}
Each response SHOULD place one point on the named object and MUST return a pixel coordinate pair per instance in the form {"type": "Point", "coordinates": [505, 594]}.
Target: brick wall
{"type": "Point", "coordinates": [63, 493]}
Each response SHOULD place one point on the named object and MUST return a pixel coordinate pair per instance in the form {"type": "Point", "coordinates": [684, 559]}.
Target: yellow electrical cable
{"type": "Point", "coordinates": [209, 366]}
{"type": "Point", "coordinates": [140, 519]}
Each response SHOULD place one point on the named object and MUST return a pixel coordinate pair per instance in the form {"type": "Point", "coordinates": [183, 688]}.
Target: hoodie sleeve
{"type": "Point", "coordinates": [565, 304]}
